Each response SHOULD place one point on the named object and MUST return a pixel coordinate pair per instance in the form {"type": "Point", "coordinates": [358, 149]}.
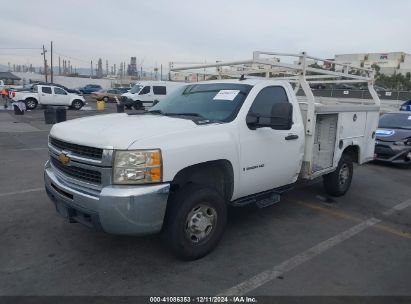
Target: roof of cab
{"type": "Point", "coordinates": [249, 81]}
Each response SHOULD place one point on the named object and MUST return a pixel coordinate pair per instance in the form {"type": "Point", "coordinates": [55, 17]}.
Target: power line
{"type": "Point", "coordinates": [70, 57]}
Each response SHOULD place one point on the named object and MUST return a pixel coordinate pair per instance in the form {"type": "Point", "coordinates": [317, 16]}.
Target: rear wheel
{"type": "Point", "coordinates": [77, 104]}
{"type": "Point", "coordinates": [31, 103]}
{"type": "Point", "coordinates": [338, 182]}
{"type": "Point", "coordinates": [195, 221]}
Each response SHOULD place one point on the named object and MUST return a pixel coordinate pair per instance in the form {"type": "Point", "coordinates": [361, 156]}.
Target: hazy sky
{"type": "Point", "coordinates": [162, 31]}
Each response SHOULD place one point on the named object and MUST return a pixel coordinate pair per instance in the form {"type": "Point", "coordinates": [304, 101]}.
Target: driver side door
{"type": "Point", "coordinates": [61, 97]}
{"type": "Point", "coordinates": [269, 158]}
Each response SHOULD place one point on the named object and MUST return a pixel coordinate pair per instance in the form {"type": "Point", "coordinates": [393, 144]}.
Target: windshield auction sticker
{"type": "Point", "coordinates": [226, 95]}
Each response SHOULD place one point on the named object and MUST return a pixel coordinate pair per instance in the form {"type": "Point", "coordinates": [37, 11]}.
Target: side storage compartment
{"type": "Point", "coordinates": [324, 141]}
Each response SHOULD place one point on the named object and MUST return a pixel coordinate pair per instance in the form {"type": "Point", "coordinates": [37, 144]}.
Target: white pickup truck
{"type": "Point", "coordinates": [48, 95]}
{"type": "Point", "coordinates": [208, 145]}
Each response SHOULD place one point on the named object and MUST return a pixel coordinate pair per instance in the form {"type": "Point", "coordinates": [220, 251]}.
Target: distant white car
{"type": "Point", "coordinates": [145, 93]}
{"type": "Point", "coordinates": [3, 85]}
{"type": "Point", "coordinates": [48, 95]}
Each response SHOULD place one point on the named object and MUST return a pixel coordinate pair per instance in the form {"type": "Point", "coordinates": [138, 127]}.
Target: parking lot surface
{"type": "Point", "coordinates": [308, 244]}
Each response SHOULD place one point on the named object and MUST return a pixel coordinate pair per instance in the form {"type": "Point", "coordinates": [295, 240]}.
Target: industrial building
{"type": "Point", "coordinates": [390, 63]}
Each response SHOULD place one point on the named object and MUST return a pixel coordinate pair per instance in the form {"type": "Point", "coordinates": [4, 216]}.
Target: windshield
{"type": "Point", "coordinates": [136, 88]}
{"type": "Point", "coordinates": [395, 121]}
{"type": "Point", "coordinates": [215, 101]}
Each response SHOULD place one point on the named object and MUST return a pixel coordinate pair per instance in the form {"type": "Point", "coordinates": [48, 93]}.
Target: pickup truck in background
{"type": "Point", "coordinates": [177, 167]}
{"type": "Point", "coordinates": [48, 95]}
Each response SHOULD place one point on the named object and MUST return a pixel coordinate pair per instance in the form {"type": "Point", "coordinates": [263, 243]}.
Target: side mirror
{"type": "Point", "coordinates": [282, 116]}
{"type": "Point", "coordinates": [252, 121]}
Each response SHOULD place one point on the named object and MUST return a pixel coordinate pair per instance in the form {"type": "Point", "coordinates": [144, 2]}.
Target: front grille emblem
{"type": "Point", "coordinates": [64, 159]}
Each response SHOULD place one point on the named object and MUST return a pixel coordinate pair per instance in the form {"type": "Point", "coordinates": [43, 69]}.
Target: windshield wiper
{"type": "Point", "coordinates": [184, 114]}
{"type": "Point", "coordinates": [156, 112]}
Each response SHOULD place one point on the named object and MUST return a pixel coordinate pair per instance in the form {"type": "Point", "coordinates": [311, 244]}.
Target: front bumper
{"type": "Point", "coordinates": [125, 210]}
{"type": "Point", "coordinates": [392, 154]}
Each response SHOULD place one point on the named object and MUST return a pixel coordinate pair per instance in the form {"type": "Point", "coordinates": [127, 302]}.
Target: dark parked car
{"type": "Point", "coordinates": [406, 106]}
{"type": "Point", "coordinates": [90, 88]}
{"type": "Point", "coordinates": [393, 138]}
{"type": "Point", "coordinates": [343, 86]}
{"type": "Point", "coordinates": [318, 86]}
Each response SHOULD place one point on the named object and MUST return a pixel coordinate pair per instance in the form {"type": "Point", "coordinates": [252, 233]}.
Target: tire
{"type": "Point", "coordinates": [105, 99]}
{"type": "Point", "coordinates": [190, 205]}
{"type": "Point", "coordinates": [338, 182]}
{"type": "Point", "coordinates": [128, 107]}
{"type": "Point", "coordinates": [138, 105]}
{"type": "Point", "coordinates": [77, 104]}
{"type": "Point", "coordinates": [31, 103]}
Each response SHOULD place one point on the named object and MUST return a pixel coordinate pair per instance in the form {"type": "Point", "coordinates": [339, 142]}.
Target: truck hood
{"type": "Point", "coordinates": [117, 131]}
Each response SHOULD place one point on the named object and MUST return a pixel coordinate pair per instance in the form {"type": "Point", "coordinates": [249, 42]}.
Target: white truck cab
{"type": "Point", "coordinates": [206, 146]}
{"type": "Point", "coordinates": [48, 95]}
{"type": "Point", "coordinates": [146, 93]}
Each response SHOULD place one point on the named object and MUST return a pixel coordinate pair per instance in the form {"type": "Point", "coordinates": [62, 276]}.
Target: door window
{"type": "Point", "coordinates": [46, 90]}
{"type": "Point", "coordinates": [264, 101]}
{"type": "Point", "coordinates": [59, 91]}
{"type": "Point", "coordinates": [159, 90]}
{"type": "Point", "coordinates": [145, 90]}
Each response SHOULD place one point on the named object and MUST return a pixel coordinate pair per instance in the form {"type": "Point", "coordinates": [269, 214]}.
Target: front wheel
{"type": "Point", "coordinates": [105, 99]}
{"type": "Point", "coordinates": [195, 221]}
{"type": "Point", "coordinates": [138, 105]}
{"type": "Point", "coordinates": [338, 182]}
{"type": "Point", "coordinates": [31, 103]}
{"type": "Point", "coordinates": [77, 104]}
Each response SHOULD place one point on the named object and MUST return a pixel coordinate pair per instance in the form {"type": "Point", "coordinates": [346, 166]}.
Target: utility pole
{"type": "Point", "coordinates": [45, 62]}
{"type": "Point", "coordinates": [51, 61]}
{"type": "Point", "coordinates": [91, 68]}
{"type": "Point", "coordinates": [59, 66]}
{"type": "Point", "coordinates": [161, 72]}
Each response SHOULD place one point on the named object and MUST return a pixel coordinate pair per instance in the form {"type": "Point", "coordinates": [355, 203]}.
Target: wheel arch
{"type": "Point", "coordinates": [31, 98]}
{"type": "Point", "coordinates": [216, 174]}
{"type": "Point", "coordinates": [353, 151]}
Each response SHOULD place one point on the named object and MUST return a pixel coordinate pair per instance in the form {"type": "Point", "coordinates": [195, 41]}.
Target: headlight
{"type": "Point", "coordinates": [404, 142]}
{"type": "Point", "coordinates": [137, 167]}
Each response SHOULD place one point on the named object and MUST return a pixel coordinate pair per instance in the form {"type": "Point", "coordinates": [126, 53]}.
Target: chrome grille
{"type": "Point", "coordinates": [80, 150]}
{"type": "Point", "coordinates": [82, 174]}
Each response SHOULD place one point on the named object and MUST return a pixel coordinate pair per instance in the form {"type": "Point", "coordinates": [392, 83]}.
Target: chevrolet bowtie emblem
{"type": "Point", "coordinates": [64, 159]}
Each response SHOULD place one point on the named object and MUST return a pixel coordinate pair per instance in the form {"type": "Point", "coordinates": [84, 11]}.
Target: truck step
{"type": "Point", "coordinates": [273, 199]}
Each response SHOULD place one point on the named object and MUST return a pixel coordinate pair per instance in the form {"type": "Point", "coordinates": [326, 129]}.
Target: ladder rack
{"type": "Point", "coordinates": [300, 71]}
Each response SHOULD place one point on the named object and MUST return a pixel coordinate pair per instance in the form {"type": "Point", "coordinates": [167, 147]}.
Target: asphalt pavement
{"type": "Point", "coordinates": [307, 244]}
